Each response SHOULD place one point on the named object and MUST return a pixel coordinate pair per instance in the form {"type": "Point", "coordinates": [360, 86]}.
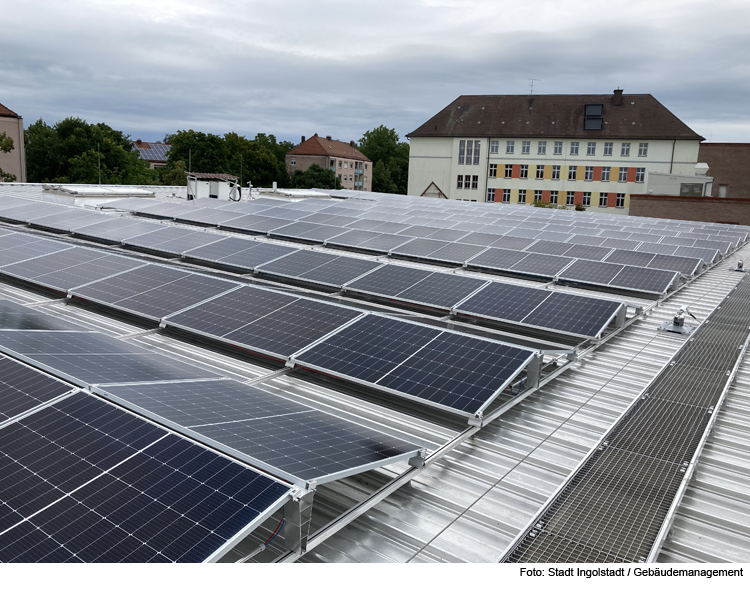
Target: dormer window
{"type": "Point", "coordinates": [593, 117]}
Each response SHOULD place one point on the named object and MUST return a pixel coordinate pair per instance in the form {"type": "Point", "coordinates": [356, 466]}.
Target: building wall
{"type": "Point", "coordinates": [729, 165]}
{"type": "Point", "coordinates": [14, 162]}
{"type": "Point", "coordinates": [437, 160]}
{"type": "Point", "coordinates": [699, 209]}
{"type": "Point", "coordinates": [354, 174]}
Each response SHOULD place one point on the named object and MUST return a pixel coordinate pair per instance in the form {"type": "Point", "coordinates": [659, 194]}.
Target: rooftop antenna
{"type": "Point", "coordinates": [531, 86]}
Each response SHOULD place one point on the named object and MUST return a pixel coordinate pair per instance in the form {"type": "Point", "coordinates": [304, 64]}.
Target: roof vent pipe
{"type": "Point", "coordinates": [303, 140]}
{"type": "Point", "coordinates": [351, 143]}
{"type": "Point", "coordinates": [617, 98]}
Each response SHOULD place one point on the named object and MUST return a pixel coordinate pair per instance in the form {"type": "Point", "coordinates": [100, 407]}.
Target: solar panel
{"type": "Point", "coordinates": [620, 244]}
{"type": "Point", "coordinates": [456, 253]}
{"type": "Point", "coordinates": [278, 328]}
{"type": "Point", "coordinates": [116, 229]}
{"type": "Point", "coordinates": [582, 251]}
{"type": "Point", "coordinates": [572, 314]}
{"type": "Point", "coordinates": [131, 203]}
{"type": "Point", "coordinates": [15, 248]}
{"type": "Point", "coordinates": [684, 265]}
{"type": "Point", "coordinates": [153, 290]}
{"type": "Point", "coordinates": [388, 227]}
{"type": "Point", "coordinates": [67, 220]}
{"type": "Point", "coordinates": [591, 272]}
{"type": "Point", "coordinates": [254, 224]}
{"type": "Point", "coordinates": [288, 439]}
{"type": "Point", "coordinates": [478, 238]}
{"type": "Point", "coordinates": [162, 240]}
{"type": "Point", "coordinates": [523, 233]}
{"type": "Point", "coordinates": [296, 230]}
{"type": "Point", "coordinates": [447, 235]}
{"type": "Point", "coordinates": [722, 247]}
{"type": "Point", "coordinates": [587, 240]}
{"type": "Point", "coordinates": [29, 210]}
{"type": "Point", "coordinates": [23, 389]}
{"type": "Point", "coordinates": [364, 224]}
{"type": "Point", "coordinates": [17, 317]}
{"type": "Point", "coordinates": [285, 213]}
{"type": "Point", "coordinates": [207, 217]}
{"type": "Point", "coordinates": [629, 257]}
{"type": "Point", "coordinates": [497, 258]}
{"type": "Point", "coordinates": [339, 271]}
{"type": "Point", "coordinates": [656, 248]}
{"type": "Point", "coordinates": [388, 280]}
{"type": "Point", "coordinates": [441, 290]}
{"type": "Point", "coordinates": [453, 371]}
{"type": "Point", "coordinates": [100, 485]}
{"type": "Point", "coordinates": [70, 268]}
{"type": "Point", "coordinates": [419, 247]}
{"type": "Point", "coordinates": [542, 265]}
{"type": "Point", "coordinates": [86, 358]}
{"type": "Point", "coordinates": [383, 243]}
{"type": "Point", "coordinates": [249, 259]}
{"type": "Point", "coordinates": [647, 280]}
{"type": "Point", "coordinates": [707, 254]}
{"type": "Point", "coordinates": [296, 263]}
{"type": "Point", "coordinates": [512, 243]}
{"type": "Point", "coordinates": [417, 231]}
{"type": "Point", "coordinates": [547, 247]}
{"type": "Point", "coordinates": [351, 238]}
{"type": "Point", "coordinates": [166, 210]}
{"type": "Point", "coordinates": [503, 301]}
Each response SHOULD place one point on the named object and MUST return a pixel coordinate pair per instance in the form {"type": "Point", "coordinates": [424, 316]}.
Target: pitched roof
{"type": "Point", "coordinates": [554, 115]}
{"type": "Point", "coordinates": [6, 112]}
{"type": "Point", "coordinates": [320, 146]}
{"type": "Point", "coordinates": [152, 151]}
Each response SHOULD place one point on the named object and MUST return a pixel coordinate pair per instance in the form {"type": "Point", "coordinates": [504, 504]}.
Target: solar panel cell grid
{"type": "Point", "coordinates": [23, 388]}
{"type": "Point", "coordinates": [497, 258]}
{"type": "Point", "coordinates": [388, 280]}
{"type": "Point", "coordinates": [543, 265]}
{"type": "Point", "coordinates": [420, 247]}
{"type": "Point", "coordinates": [456, 253]}
{"type": "Point", "coordinates": [591, 272]}
{"type": "Point", "coordinates": [573, 314]}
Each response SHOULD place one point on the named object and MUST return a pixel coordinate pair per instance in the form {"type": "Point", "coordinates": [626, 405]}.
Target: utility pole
{"type": "Point", "coordinates": [99, 154]}
{"type": "Point", "coordinates": [190, 159]}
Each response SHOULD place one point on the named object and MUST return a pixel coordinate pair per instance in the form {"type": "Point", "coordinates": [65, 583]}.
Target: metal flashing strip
{"type": "Point", "coordinates": [619, 502]}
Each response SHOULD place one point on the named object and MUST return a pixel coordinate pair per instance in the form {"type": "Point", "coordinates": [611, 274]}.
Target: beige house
{"type": "Point", "coordinates": [350, 165]}
{"type": "Point", "coordinates": [14, 162]}
{"type": "Point", "coordinates": [590, 150]}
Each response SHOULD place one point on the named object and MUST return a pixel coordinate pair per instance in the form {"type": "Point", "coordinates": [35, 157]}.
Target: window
{"type": "Point", "coordinates": [460, 182]}
{"type": "Point", "coordinates": [540, 171]}
{"type": "Point", "coordinates": [541, 147]}
{"type": "Point", "coordinates": [643, 149]}
{"type": "Point", "coordinates": [508, 171]}
{"type": "Point", "coordinates": [605, 173]}
{"type": "Point", "coordinates": [365, 165]}
{"type": "Point", "coordinates": [469, 151]}
{"type": "Point", "coordinates": [623, 175]}
{"type": "Point", "coordinates": [572, 171]}
{"type": "Point", "coordinates": [620, 200]}
{"type": "Point", "coordinates": [589, 174]}
{"type": "Point", "coordinates": [640, 175]}
{"type": "Point", "coordinates": [591, 149]}
{"type": "Point", "coordinates": [476, 152]}
{"type": "Point", "coordinates": [603, 199]}
{"type": "Point", "coordinates": [625, 149]}
{"type": "Point", "coordinates": [491, 195]}
{"type": "Point", "coordinates": [593, 117]}
{"type": "Point", "coordinates": [493, 171]}
{"type": "Point", "coordinates": [525, 147]}
{"type": "Point", "coordinates": [293, 161]}
{"type": "Point", "coordinates": [574, 148]}
{"type": "Point", "coordinates": [494, 147]}
{"type": "Point", "coordinates": [510, 146]}
{"type": "Point", "coordinates": [524, 171]}
{"type": "Point", "coordinates": [522, 195]}
{"type": "Point", "coordinates": [340, 164]}
{"type": "Point", "coordinates": [558, 148]}
{"type": "Point", "coordinates": [723, 190]}
{"type": "Point", "coordinates": [474, 181]}
{"type": "Point", "coordinates": [537, 195]}
{"type": "Point", "coordinates": [461, 151]}
{"type": "Point", "coordinates": [555, 172]}
{"type": "Point", "coordinates": [586, 200]}
{"type": "Point", "coordinates": [506, 195]}
{"type": "Point", "coordinates": [553, 197]}
{"type": "Point", "coordinates": [570, 198]}
{"type": "Point", "coordinates": [339, 176]}
{"type": "Point", "coordinates": [346, 165]}
{"type": "Point", "coordinates": [608, 148]}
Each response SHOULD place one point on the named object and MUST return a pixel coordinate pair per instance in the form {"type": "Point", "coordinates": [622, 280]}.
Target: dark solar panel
{"type": "Point", "coordinates": [591, 272]}
{"type": "Point", "coordinates": [582, 251]}
{"type": "Point", "coordinates": [419, 247]}
{"type": "Point", "coordinates": [656, 248]}
{"type": "Point", "coordinates": [251, 258]}
{"type": "Point", "coordinates": [417, 231]}
{"type": "Point", "coordinates": [30, 210]}
{"type": "Point", "coordinates": [216, 251]}
{"type": "Point", "coordinates": [101, 485]}
{"type": "Point", "coordinates": [497, 258]}
{"type": "Point", "coordinates": [23, 388]}
{"type": "Point", "coordinates": [707, 254]}
{"type": "Point", "coordinates": [587, 240]}
{"type": "Point", "coordinates": [296, 263]}
{"type": "Point", "coordinates": [630, 257]}
{"type": "Point", "coordinates": [573, 314]}
{"type": "Point", "coordinates": [153, 290]}
{"type": "Point", "coordinates": [295, 230]}
{"type": "Point", "coordinates": [649, 280]}
{"type": "Point", "coordinates": [388, 280]}
{"type": "Point", "coordinates": [208, 217]}
{"type": "Point", "coordinates": [70, 268]}
{"type": "Point", "coordinates": [166, 210]}
{"type": "Point", "coordinates": [131, 203]}
{"type": "Point", "coordinates": [364, 224]}
{"type": "Point", "coordinates": [544, 265]}
{"type": "Point", "coordinates": [621, 244]}
{"type": "Point", "coordinates": [254, 224]}
{"type": "Point", "coordinates": [15, 248]}
{"type": "Point", "coordinates": [389, 227]}
{"type": "Point", "coordinates": [547, 247]}
{"type": "Point", "coordinates": [163, 234]}
{"type": "Point", "coordinates": [352, 238]}
{"type": "Point", "coordinates": [17, 317]}
{"type": "Point", "coordinates": [339, 271]}
{"type": "Point", "coordinates": [67, 220]}
{"type": "Point", "coordinates": [456, 253]}
{"type": "Point", "coordinates": [503, 301]}
{"type": "Point", "coordinates": [441, 290]}
{"type": "Point", "coordinates": [478, 238]}
{"type": "Point", "coordinates": [383, 243]}
{"type": "Point", "coordinates": [447, 235]}
{"type": "Point", "coordinates": [684, 265]}
{"type": "Point", "coordinates": [511, 243]}
{"type": "Point", "coordinates": [286, 437]}
{"type": "Point", "coordinates": [523, 233]}
{"type": "Point", "coordinates": [117, 229]}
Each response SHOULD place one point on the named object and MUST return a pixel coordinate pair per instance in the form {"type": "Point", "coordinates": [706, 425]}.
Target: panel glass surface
{"type": "Point", "coordinates": [547, 247]}
{"type": "Point", "coordinates": [388, 280]}
{"type": "Point", "coordinates": [545, 265]}
{"type": "Point", "coordinates": [339, 271]}
{"type": "Point", "coordinates": [630, 257]}
{"type": "Point", "coordinates": [297, 263]}
{"type": "Point", "coordinates": [640, 279]}
{"type": "Point", "coordinates": [17, 317]}
{"type": "Point", "coordinates": [590, 253]}
{"type": "Point", "coordinates": [497, 258]}
{"type": "Point", "coordinates": [503, 301]}
{"type": "Point", "coordinates": [15, 248]}
{"type": "Point", "coordinates": [23, 388]}
{"type": "Point", "coordinates": [441, 290]}
{"type": "Point", "coordinates": [684, 265]}
{"type": "Point", "coordinates": [573, 314]}
{"type": "Point", "coordinates": [456, 253]}
{"type": "Point", "coordinates": [591, 272]}
{"type": "Point", "coordinates": [117, 229]}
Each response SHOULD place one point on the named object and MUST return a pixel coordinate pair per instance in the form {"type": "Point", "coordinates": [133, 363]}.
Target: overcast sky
{"type": "Point", "coordinates": [296, 67]}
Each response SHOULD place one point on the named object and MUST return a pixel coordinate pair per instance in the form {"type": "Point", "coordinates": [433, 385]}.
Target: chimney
{"type": "Point", "coordinates": [328, 137]}
{"type": "Point", "coordinates": [351, 143]}
{"type": "Point", "coordinates": [315, 135]}
{"type": "Point", "coordinates": [617, 98]}
{"type": "Point", "coordinates": [303, 140]}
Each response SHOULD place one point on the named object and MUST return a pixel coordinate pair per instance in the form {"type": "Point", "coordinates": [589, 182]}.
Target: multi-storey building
{"type": "Point", "coordinates": [13, 162]}
{"type": "Point", "coordinates": [351, 166]}
{"type": "Point", "coordinates": [590, 150]}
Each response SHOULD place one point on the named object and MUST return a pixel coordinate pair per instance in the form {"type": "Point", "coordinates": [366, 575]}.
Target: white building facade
{"type": "Point", "coordinates": [589, 150]}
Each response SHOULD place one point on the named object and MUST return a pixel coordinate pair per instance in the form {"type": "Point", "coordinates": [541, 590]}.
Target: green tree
{"type": "Point", "coordinates": [203, 152]}
{"type": "Point", "coordinates": [315, 177]}
{"type": "Point", "coordinates": [6, 145]}
{"type": "Point", "coordinates": [174, 176]}
{"type": "Point", "coordinates": [382, 145]}
{"type": "Point", "coordinates": [254, 161]}
{"type": "Point", "coordinates": [74, 151]}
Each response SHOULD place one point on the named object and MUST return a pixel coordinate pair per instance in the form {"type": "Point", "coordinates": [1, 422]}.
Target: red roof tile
{"type": "Point", "coordinates": [320, 146]}
{"type": "Point", "coordinates": [6, 112]}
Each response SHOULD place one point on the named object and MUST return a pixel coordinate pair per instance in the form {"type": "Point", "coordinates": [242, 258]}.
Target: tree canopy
{"type": "Point", "coordinates": [390, 159]}
{"type": "Point", "coordinates": [315, 177]}
{"type": "Point", "coordinates": [6, 145]}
